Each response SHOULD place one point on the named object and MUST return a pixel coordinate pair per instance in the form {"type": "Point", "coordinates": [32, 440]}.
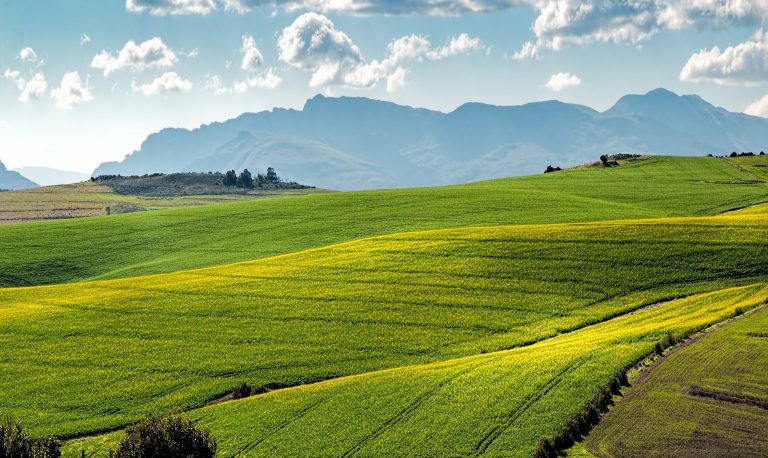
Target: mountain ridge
{"type": "Point", "coordinates": [12, 181]}
{"type": "Point", "coordinates": [360, 143]}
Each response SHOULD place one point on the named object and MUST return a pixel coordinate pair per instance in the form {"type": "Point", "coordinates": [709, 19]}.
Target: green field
{"type": "Point", "coordinates": [90, 198]}
{"type": "Point", "coordinates": [463, 320]}
{"type": "Point", "coordinates": [178, 340]}
{"type": "Point", "coordinates": [497, 404]}
{"type": "Point", "coordinates": [170, 240]}
{"type": "Point", "coordinates": [660, 417]}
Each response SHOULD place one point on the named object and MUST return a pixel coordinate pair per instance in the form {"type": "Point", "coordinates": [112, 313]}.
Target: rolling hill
{"type": "Point", "coordinates": [169, 240]}
{"type": "Point", "coordinates": [10, 180]}
{"type": "Point", "coordinates": [179, 340]}
{"type": "Point", "coordinates": [357, 143]}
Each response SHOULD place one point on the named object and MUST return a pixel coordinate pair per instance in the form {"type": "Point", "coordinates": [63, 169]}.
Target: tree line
{"type": "Point", "coordinates": [247, 180]}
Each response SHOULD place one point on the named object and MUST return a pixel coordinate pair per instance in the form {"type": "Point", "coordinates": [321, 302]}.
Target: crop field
{"type": "Point", "coordinates": [755, 165]}
{"type": "Point", "coordinates": [83, 357]}
{"type": "Point", "coordinates": [496, 404]}
{"type": "Point", "coordinates": [95, 199]}
{"type": "Point", "coordinates": [707, 399]}
{"type": "Point", "coordinates": [65, 251]}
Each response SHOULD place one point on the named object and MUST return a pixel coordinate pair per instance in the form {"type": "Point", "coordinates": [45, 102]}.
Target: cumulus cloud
{"type": "Point", "coordinates": [252, 58]}
{"type": "Point", "coordinates": [167, 83]}
{"type": "Point", "coordinates": [30, 89]}
{"type": "Point", "coordinates": [562, 81]}
{"type": "Point", "coordinates": [152, 53]}
{"type": "Point", "coordinates": [745, 63]}
{"type": "Point", "coordinates": [389, 7]}
{"type": "Point", "coordinates": [561, 23]}
{"type": "Point", "coordinates": [396, 80]}
{"type": "Point", "coordinates": [71, 92]}
{"type": "Point", "coordinates": [313, 43]}
{"type": "Point", "coordinates": [214, 84]}
{"type": "Point", "coordinates": [264, 80]}
{"type": "Point", "coordinates": [758, 108]}
{"type": "Point", "coordinates": [28, 55]}
{"type": "Point", "coordinates": [174, 7]}
{"type": "Point", "coordinates": [34, 89]}
{"type": "Point", "coordinates": [84, 39]}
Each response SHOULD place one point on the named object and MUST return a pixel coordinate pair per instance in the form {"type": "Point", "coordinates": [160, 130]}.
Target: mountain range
{"type": "Point", "coordinates": [46, 176]}
{"type": "Point", "coordinates": [10, 180]}
{"type": "Point", "coordinates": [358, 143]}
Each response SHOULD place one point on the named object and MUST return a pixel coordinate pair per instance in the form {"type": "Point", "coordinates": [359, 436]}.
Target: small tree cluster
{"type": "Point", "coordinates": [750, 153]}
{"type": "Point", "coordinates": [15, 443]}
{"type": "Point", "coordinates": [247, 180]}
{"type": "Point", "coordinates": [551, 169]}
{"type": "Point", "coordinates": [168, 436]}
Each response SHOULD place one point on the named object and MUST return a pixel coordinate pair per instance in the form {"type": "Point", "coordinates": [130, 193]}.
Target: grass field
{"type": "Point", "coordinates": [755, 165]}
{"type": "Point", "coordinates": [169, 240]}
{"type": "Point", "coordinates": [95, 199]}
{"type": "Point", "coordinates": [672, 411]}
{"type": "Point", "coordinates": [496, 404]}
{"type": "Point", "coordinates": [82, 357]}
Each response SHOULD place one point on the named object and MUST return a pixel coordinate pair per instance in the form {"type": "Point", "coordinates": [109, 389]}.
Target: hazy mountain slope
{"type": "Point", "coordinates": [10, 180]}
{"type": "Point", "coordinates": [356, 143]}
{"type": "Point", "coordinates": [46, 176]}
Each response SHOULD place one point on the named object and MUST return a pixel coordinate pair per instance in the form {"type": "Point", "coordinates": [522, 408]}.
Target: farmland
{"type": "Point", "coordinates": [676, 409]}
{"type": "Point", "coordinates": [495, 310]}
{"type": "Point", "coordinates": [96, 199]}
{"type": "Point", "coordinates": [179, 340]}
{"type": "Point", "coordinates": [47, 253]}
{"type": "Point", "coordinates": [496, 404]}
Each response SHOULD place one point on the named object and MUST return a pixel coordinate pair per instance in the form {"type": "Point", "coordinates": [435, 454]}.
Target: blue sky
{"type": "Point", "coordinates": [85, 81]}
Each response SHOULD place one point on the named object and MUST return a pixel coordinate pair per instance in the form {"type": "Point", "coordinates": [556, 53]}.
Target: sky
{"type": "Point", "coordinates": [86, 81]}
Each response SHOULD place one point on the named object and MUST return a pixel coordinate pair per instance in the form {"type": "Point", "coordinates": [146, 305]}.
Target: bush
{"type": "Point", "coordinates": [165, 436]}
{"type": "Point", "coordinates": [241, 391]}
{"type": "Point", "coordinates": [15, 443]}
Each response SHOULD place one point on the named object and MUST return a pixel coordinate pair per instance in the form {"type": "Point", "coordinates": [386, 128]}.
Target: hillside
{"type": "Point", "coordinates": [357, 143]}
{"type": "Point", "coordinates": [707, 399]}
{"type": "Point", "coordinates": [10, 180]}
{"type": "Point", "coordinates": [204, 236]}
{"type": "Point", "coordinates": [354, 308]}
{"type": "Point", "coordinates": [92, 198]}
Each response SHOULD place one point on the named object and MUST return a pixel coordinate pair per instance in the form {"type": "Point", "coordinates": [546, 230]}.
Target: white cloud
{"type": "Point", "coordinates": [313, 43]}
{"type": "Point", "coordinates": [252, 58]}
{"type": "Point", "coordinates": [28, 55]}
{"type": "Point", "coordinates": [71, 92]}
{"type": "Point", "coordinates": [4, 123]}
{"type": "Point", "coordinates": [34, 88]}
{"type": "Point", "coordinates": [169, 82]}
{"type": "Point", "coordinates": [15, 76]}
{"type": "Point", "coordinates": [84, 39]}
{"type": "Point", "coordinates": [193, 54]}
{"type": "Point", "coordinates": [463, 44]}
{"type": "Point", "coordinates": [389, 7]}
{"type": "Point", "coordinates": [562, 81]}
{"type": "Point", "coordinates": [163, 7]}
{"type": "Point", "coordinates": [214, 84]}
{"type": "Point", "coordinates": [31, 89]}
{"type": "Point", "coordinates": [152, 53]}
{"type": "Point", "coordinates": [396, 80]}
{"type": "Point", "coordinates": [561, 23]}
{"type": "Point", "coordinates": [264, 80]}
{"type": "Point", "coordinates": [745, 63]}
{"type": "Point", "coordinates": [758, 108]}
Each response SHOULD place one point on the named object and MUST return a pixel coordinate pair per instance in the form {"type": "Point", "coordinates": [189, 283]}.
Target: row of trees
{"type": "Point", "coordinates": [247, 180]}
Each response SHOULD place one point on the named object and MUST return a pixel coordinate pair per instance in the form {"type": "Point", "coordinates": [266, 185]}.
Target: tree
{"type": "Point", "coordinates": [272, 175]}
{"type": "Point", "coordinates": [245, 180]}
{"type": "Point", "coordinates": [603, 158]}
{"type": "Point", "coordinates": [230, 178]}
{"type": "Point", "coordinates": [166, 435]}
{"type": "Point", "coordinates": [14, 442]}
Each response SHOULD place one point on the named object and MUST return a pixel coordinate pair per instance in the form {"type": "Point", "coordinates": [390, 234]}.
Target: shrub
{"type": "Point", "coordinates": [241, 391]}
{"type": "Point", "coordinates": [165, 436]}
{"type": "Point", "coordinates": [15, 443]}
